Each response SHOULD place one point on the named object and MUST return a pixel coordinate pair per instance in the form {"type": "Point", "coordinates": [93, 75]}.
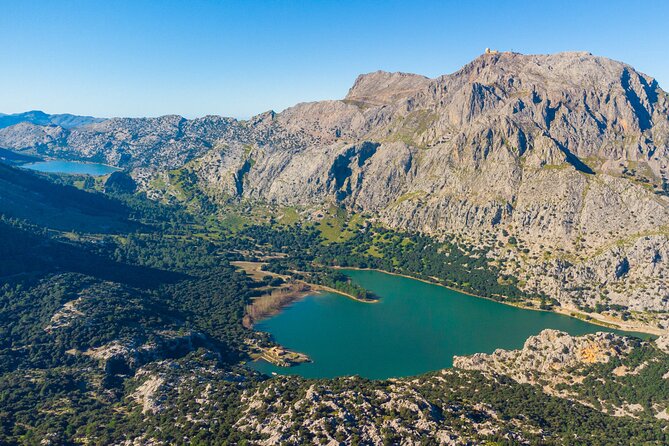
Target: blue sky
{"type": "Point", "coordinates": [240, 58]}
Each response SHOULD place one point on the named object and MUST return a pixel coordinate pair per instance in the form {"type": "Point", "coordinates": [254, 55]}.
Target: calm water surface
{"type": "Point", "coordinates": [416, 327]}
{"type": "Point", "coordinates": [73, 167]}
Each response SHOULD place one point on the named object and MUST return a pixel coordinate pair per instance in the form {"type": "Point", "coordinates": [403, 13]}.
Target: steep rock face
{"type": "Point", "coordinates": [499, 117]}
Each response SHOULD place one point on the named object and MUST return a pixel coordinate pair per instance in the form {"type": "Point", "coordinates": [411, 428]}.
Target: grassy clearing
{"type": "Point", "coordinates": [289, 216]}
{"type": "Point", "coordinates": [338, 225]}
{"type": "Point", "coordinates": [332, 225]}
{"type": "Point", "coordinates": [234, 222]}
{"type": "Point", "coordinates": [374, 252]}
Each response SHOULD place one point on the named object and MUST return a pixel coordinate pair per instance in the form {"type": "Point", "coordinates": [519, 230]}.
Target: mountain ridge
{"type": "Point", "coordinates": [64, 120]}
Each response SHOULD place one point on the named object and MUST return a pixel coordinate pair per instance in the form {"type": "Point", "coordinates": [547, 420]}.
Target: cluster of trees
{"type": "Point", "coordinates": [343, 283]}
{"type": "Point", "coordinates": [411, 254]}
{"type": "Point", "coordinates": [426, 258]}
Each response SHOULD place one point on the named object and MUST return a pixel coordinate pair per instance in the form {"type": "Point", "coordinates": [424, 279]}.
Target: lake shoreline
{"type": "Point", "coordinates": [294, 291]}
{"type": "Point", "coordinates": [295, 295]}
{"type": "Point", "coordinates": [49, 160]}
{"type": "Point", "coordinates": [418, 329]}
{"type": "Point", "coordinates": [570, 312]}
{"type": "Point", "coordinates": [275, 303]}
{"type": "Point", "coordinates": [573, 313]}
{"type": "Point", "coordinates": [336, 291]}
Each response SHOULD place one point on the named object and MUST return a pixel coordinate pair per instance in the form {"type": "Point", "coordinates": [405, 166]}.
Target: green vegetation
{"type": "Point", "coordinates": [640, 381]}
{"type": "Point", "coordinates": [100, 292]}
{"type": "Point", "coordinates": [423, 257]}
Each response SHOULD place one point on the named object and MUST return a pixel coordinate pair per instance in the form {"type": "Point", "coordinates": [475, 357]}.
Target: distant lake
{"type": "Point", "coordinates": [415, 328]}
{"type": "Point", "coordinates": [72, 167]}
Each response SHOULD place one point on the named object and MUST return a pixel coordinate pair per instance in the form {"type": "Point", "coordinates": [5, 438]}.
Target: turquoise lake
{"type": "Point", "coordinates": [72, 167]}
{"type": "Point", "coordinates": [416, 327]}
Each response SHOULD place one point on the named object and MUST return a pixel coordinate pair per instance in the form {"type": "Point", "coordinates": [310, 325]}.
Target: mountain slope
{"type": "Point", "coordinates": [32, 197]}
{"type": "Point", "coordinates": [565, 154]}
{"type": "Point", "coordinates": [556, 163]}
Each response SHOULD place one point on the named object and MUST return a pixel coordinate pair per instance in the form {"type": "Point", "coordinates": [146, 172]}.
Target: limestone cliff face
{"type": "Point", "coordinates": [566, 153]}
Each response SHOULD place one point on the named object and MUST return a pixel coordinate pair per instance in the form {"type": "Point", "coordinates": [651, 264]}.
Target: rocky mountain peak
{"type": "Point", "coordinates": [561, 75]}
{"type": "Point", "coordinates": [382, 87]}
{"type": "Point", "coordinates": [566, 66]}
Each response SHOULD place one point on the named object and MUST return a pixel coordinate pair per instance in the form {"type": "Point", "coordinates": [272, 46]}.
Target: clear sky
{"type": "Point", "coordinates": [240, 58]}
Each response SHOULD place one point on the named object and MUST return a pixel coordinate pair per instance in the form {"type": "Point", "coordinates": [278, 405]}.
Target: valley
{"type": "Point", "coordinates": [383, 251]}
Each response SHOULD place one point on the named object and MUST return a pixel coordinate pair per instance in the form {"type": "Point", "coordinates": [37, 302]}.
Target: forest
{"type": "Point", "coordinates": [87, 316]}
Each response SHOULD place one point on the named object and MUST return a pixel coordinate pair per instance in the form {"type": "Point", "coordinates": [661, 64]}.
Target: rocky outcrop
{"type": "Point", "coordinates": [341, 412]}
{"type": "Point", "coordinates": [593, 369]}
{"type": "Point", "coordinates": [546, 354]}
{"type": "Point", "coordinates": [126, 357]}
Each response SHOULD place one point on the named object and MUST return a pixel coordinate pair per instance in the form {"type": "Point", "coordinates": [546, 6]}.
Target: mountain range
{"type": "Point", "coordinates": [557, 164]}
{"type": "Point", "coordinates": [38, 117]}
